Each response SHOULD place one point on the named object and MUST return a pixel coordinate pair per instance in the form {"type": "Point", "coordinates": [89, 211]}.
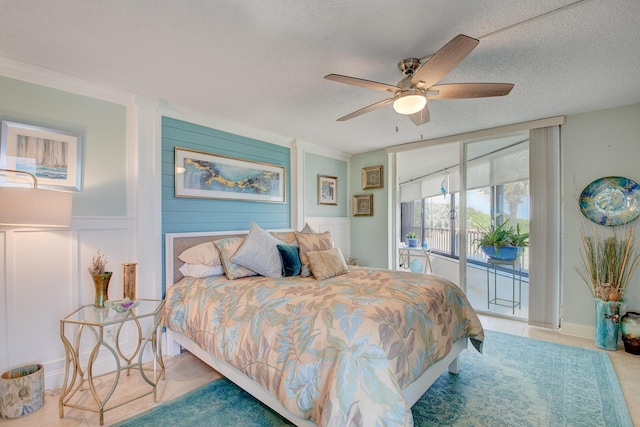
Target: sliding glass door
{"type": "Point", "coordinates": [450, 191]}
{"type": "Point", "coordinates": [497, 193]}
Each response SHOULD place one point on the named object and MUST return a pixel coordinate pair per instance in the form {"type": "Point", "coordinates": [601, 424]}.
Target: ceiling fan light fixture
{"type": "Point", "coordinates": [409, 102]}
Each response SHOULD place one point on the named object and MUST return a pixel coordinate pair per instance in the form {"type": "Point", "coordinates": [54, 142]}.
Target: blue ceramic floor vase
{"type": "Point", "coordinates": [607, 324]}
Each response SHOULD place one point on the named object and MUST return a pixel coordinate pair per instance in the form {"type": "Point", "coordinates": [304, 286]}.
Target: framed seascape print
{"type": "Point", "coordinates": [363, 205]}
{"type": "Point", "coordinates": [327, 190]}
{"type": "Point", "coordinates": [212, 176]}
{"type": "Point", "coordinates": [372, 177]}
{"type": "Point", "coordinates": [53, 156]}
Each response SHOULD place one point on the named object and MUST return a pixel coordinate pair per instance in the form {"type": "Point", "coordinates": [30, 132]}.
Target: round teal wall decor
{"type": "Point", "coordinates": [613, 200]}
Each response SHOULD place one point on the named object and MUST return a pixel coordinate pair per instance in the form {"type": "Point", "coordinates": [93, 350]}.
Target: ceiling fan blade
{"type": "Point", "coordinates": [366, 109]}
{"type": "Point", "coordinates": [367, 84]}
{"type": "Point", "coordinates": [421, 117]}
{"type": "Point", "coordinates": [444, 60]}
{"type": "Point", "coordinates": [469, 90]}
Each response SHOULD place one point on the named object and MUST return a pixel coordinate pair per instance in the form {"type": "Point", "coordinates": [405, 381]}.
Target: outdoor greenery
{"type": "Point", "coordinates": [503, 234]}
{"type": "Point", "coordinates": [608, 263]}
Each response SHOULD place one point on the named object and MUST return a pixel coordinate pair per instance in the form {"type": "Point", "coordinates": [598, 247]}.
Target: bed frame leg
{"type": "Point", "coordinates": [173, 348]}
{"type": "Point", "coordinates": [454, 366]}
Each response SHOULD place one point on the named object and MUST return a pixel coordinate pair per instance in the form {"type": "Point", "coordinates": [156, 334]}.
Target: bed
{"type": "Point", "coordinates": [358, 348]}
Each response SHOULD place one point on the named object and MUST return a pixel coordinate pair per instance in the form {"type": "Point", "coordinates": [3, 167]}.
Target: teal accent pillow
{"type": "Point", "coordinates": [290, 258]}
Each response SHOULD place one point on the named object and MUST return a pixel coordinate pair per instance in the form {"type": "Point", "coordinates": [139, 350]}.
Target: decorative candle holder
{"type": "Point", "coordinates": [129, 277]}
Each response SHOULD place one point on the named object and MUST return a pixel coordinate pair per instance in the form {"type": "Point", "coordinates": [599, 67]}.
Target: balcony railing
{"type": "Point", "coordinates": [439, 240]}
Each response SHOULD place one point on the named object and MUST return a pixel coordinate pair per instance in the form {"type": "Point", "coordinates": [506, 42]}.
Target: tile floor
{"type": "Point", "coordinates": [185, 373]}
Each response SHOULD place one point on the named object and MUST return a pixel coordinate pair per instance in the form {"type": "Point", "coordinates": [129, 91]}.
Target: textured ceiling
{"type": "Point", "coordinates": [259, 65]}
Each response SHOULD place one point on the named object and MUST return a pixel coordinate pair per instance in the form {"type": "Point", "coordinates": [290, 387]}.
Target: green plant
{"type": "Point", "coordinates": [411, 235]}
{"type": "Point", "coordinates": [503, 234]}
{"type": "Point", "coordinates": [608, 263]}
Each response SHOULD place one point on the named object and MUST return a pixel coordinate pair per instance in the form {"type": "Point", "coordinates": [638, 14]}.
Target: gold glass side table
{"type": "Point", "coordinates": [79, 374]}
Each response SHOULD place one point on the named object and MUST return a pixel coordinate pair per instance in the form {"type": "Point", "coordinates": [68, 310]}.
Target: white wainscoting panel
{"type": "Point", "coordinates": [45, 278]}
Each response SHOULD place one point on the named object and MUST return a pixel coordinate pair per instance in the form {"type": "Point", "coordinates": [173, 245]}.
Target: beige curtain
{"type": "Point", "coordinates": [544, 242]}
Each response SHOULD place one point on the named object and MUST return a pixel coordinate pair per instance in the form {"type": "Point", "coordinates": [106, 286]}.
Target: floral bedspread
{"type": "Point", "coordinates": [337, 351]}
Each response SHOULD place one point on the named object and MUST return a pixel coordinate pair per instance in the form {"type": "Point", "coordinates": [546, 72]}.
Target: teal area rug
{"type": "Point", "coordinates": [516, 382]}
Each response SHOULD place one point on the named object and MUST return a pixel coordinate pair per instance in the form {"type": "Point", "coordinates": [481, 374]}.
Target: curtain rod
{"type": "Point", "coordinates": [478, 134]}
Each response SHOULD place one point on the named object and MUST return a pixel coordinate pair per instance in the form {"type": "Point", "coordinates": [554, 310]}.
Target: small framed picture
{"type": "Point", "coordinates": [363, 205]}
{"type": "Point", "coordinates": [372, 177]}
{"type": "Point", "coordinates": [327, 190]}
{"type": "Point", "coordinates": [53, 156]}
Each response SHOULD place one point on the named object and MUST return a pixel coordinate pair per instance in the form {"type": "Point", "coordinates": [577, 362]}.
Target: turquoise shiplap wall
{"type": "Point", "coordinates": [190, 215]}
{"type": "Point", "coordinates": [315, 165]}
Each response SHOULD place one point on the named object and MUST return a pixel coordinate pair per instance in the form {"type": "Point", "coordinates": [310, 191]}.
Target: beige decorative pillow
{"type": "Point", "coordinates": [288, 237]}
{"type": "Point", "coordinates": [326, 264]}
{"type": "Point", "coordinates": [228, 248]}
{"type": "Point", "coordinates": [204, 253]}
{"type": "Point", "coordinates": [311, 242]}
{"type": "Point", "coordinates": [307, 228]}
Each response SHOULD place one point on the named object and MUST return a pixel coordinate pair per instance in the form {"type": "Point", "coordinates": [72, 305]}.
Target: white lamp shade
{"type": "Point", "coordinates": [409, 104]}
{"type": "Point", "coordinates": [34, 207]}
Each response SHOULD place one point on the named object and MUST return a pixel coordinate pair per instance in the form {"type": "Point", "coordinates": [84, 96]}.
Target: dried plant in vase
{"type": "Point", "coordinates": [607, 266]}
{"type": "Point", "coordinates": [98, 264]}
{"type": "Point", "coordinates": [608, 263]}
{"type": "Point", "coordinates": [101, 279]}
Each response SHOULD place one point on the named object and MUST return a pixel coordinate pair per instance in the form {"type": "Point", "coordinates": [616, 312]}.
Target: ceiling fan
{"type": "Point", "coordinates": [410, 95]}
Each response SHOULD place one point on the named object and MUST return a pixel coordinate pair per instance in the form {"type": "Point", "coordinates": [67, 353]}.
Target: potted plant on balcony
{"type": "Point", "coordinates": [502, 241]}
{"type": "Point", "coordinates": [412, 239]}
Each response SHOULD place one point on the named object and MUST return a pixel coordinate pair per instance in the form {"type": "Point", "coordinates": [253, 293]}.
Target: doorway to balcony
{"type": "Point", "coordinates": [496, 191]}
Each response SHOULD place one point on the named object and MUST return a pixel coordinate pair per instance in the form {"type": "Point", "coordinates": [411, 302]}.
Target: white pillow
{"type": "Point", "coordinates": [201, 270]}
{"type": "Point", "coordinates": [259, 253]}
{"type": "Point", "coordinates": [204, 253]}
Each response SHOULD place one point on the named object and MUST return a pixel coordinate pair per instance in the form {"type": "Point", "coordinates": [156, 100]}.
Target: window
{"type": "Point", "coordinates": [498, 191]}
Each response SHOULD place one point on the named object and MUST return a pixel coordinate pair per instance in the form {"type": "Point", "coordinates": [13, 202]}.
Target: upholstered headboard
{"type": "Point", "coordinates": [176, 243]}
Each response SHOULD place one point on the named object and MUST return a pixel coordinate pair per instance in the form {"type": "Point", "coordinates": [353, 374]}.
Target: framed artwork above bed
{"type": "Point", "coordinates": [212, 176]}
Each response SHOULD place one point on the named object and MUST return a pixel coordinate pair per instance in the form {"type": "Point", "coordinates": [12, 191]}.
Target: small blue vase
{"type": "Point", "coordinates": [416, 266]}
{"type": "Point", "coordinates": [607, 324]}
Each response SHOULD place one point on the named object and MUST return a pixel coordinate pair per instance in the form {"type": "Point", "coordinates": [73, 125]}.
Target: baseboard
{"type": "Point", "coordinates": [577, 330]}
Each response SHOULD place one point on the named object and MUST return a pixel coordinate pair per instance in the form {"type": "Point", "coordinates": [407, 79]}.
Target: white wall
{"type": "Point", "coordinates": [44, 273]}
{"type": "Point", "coordinates": [593, 145]}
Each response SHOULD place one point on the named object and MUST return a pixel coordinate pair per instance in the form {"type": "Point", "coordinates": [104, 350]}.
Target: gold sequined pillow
{"type": "Point", "coordinates": [326, 264]}
{"type": "Point", "coordinates": [311, 242]}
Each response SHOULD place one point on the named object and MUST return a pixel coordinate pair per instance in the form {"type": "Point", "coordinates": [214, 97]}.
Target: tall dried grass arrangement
{"type": "Point", "coordinates": [608, 263]}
